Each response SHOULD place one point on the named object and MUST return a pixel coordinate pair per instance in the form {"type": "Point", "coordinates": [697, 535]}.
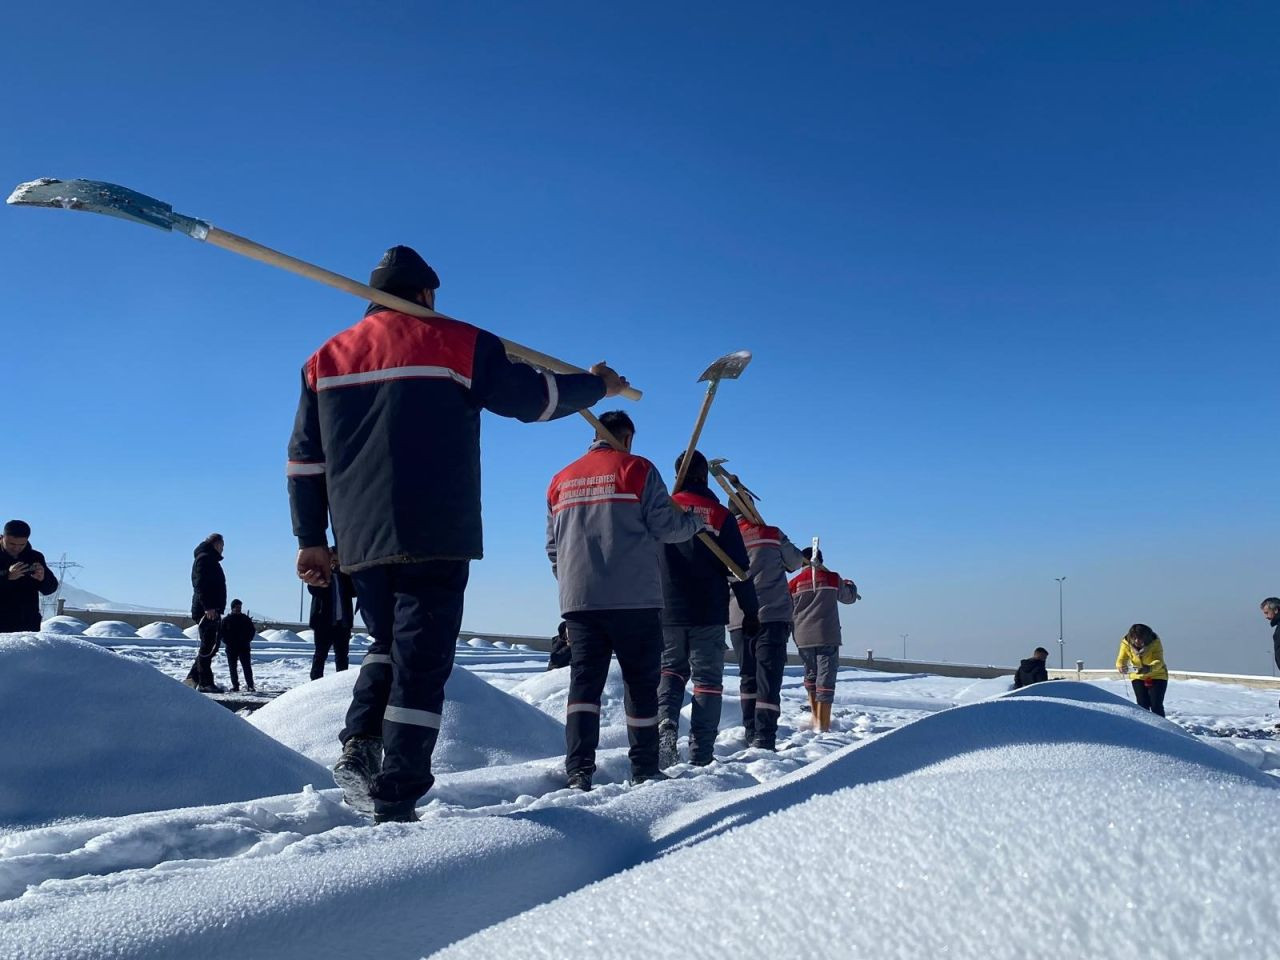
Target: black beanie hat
{"type": "Point", "coordinates": [401, 271]}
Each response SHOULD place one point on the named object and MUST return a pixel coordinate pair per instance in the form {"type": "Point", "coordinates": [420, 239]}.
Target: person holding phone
{"type": "Point", "coordinates": [26, 578]}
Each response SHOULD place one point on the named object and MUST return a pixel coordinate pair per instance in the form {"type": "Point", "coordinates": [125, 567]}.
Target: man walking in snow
{"type": "Point", "coordinates": [387, 443]}
{"type": "Point", "coordinates": [814, 595]}
{"type": "Point", "coordinates": [695, 589]}
{"type": "Point", "coordinates": [608, 512]}
{"type": "Point", "coordinates": [24, 580]}
{"type": "Point", "coordinates": [762, 661]}
{"type": "Point", "coordinates": [1032, 670]}
{"type": "Point", "coordinates": [237, 633]}
{"type": "Point", "coordinates": [208, 601]}
{"type": "Point", "coordinates": [332, 618]}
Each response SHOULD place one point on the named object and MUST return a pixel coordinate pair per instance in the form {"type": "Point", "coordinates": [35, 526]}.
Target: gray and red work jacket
{"type": "Point", "coordinates": [387, 435]}
{"type": "Point", "coordinates": [607, 513]}
{"type": "Point", "coordinates": [814, 595]}
{"type": "Point", "coordinates": [773, 556]}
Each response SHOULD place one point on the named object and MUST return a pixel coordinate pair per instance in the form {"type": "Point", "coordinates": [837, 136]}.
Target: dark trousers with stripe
{"type": "Point", "coordinates": [820, 666]}
{"type": "Point", "coordinates": [413, 612]}
{"type": "Point", "coordinates": [635, 637]}
{"type": "Point", "coordinates": [697, 653]}
{"type": "Point", "coordinates": [210, 632]}
{"type": "Point", "coordinates": [335, 637]}
{"type": "Point", "coordinates": [760, 666]}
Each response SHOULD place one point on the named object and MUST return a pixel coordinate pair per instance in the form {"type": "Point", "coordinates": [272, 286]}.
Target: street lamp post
{"type": "Point", "coordinates": [1061, 659]}
{"type": "Point", "coordinates": [904, 645]}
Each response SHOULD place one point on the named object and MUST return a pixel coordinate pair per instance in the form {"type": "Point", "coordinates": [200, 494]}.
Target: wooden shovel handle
{"type": "Point", "coordinates": [697, 432]}
{"type": "Point", "coordinates": [256, 251]}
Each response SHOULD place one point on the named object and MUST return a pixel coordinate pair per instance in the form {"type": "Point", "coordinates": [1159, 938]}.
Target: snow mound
{"type": "Point", "coordinates": [282, 636]}
{"type": "Point", "coordinates": [161, 630]}
{"type": "Point", "coordinates": [482, 726]}
{"type": "Point", "coordinates": [478, 642]}
{"type": "Point", "coordinates": [984, 689]}
{"type": "Point", "coordinates": [972, 818]}
{"type": "Point", "coordinates": [549, 692]}
{"type": "Point", "coordinates": [306, 636]}
{"type": "Point", "coordinates": [64, 625]}
{"type": "Point", "coordinates": [111, 628]}
{"type": "Point", "coordinates": [192, 632]}
{"type": "Point", "coordinates": [92, 733]}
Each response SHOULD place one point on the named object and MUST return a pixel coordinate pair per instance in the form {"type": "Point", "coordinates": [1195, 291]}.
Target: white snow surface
{"type": "Point", "coordinates": [90, 733]}
{"type": "Point", "coordinates": [68, 626]}
{"type": "Point", "coordinates": [1054, 822]}
{"type": "Point", "coordinates": [481, 726]}
{"type": "Point", "coordinates": [111, 628]}
{"type": "Point", "coordinates": [161, 630]}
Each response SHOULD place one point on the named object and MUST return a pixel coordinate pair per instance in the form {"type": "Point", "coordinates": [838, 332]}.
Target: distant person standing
{"type": "Point", "coordinates": [237, 634]}
{"type": "Point", "coordinates": [332, 617]}
{"type": "Point", "coordinates": [814, 595]}
{"type": "Point", "coordinates": [1142, 654]}
{"type": "Point", "coordinates": [26, 579]}
{"type": "Point", "coordinates": [1271, 610]}
{"type": "Point", "coordinates": [1032, 670]}
{"type": "Point", "coordinates": [208, 601]}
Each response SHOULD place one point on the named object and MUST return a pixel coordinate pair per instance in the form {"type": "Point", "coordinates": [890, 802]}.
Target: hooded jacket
{"type": "Point", "coordinates": [1151, 655]}
{"type": "Point", "coordinates": [208, 582]}
{"type": "Point", "coordinates": [814, 595]}
{"type": "Point", "coordinates": [1031, 670]}
{"type": "Point", "coordinates": [387, 435]}
{"type": "Point", "coordinates": [20, 599]}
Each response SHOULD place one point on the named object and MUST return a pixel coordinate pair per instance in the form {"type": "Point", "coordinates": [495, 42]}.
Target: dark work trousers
{"type": "Point", "coordinates": [413, 612]}
{"type": "Point", "coordinates": [239, 653]}
{"type": "Point", "coordinates": [1152, 697]}
{"type": "Point", "coordinates": [760, 666]}
{"type": "Point", "coordinates": [336, 637]}
{"type": "Point", "coordinates": [202, 669]}
{"type": "Point", "coordinates": [820, 665]}
{"type": "Point", "coordinates": [635, 636]}
{"type": "Point", "coordinates": [697, 653]}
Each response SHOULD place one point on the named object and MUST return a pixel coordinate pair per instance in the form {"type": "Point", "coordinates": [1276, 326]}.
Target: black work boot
{"type": "Point", "coordinates": [647, 776]}
{"type": "Point", "coordinates": [360, 762]}
{"type": "Point", "coordinates": [668, 749]}
{"type": "Point", "coordinates": [395, 813]}
{"type": "Point", "coordinates": [580, 780]}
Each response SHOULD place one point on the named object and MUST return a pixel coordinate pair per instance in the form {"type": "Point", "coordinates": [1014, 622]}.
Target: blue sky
{"type": "Point", "coordinates": [1009, 273]}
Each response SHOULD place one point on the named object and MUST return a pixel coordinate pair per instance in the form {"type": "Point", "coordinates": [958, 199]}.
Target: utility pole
{"type": "Point", "coordinates": [904, 645]}
{"type": "Point", "coordinates": [1061, 659]}
{"type": "Point", "coordinates": [60, 567]}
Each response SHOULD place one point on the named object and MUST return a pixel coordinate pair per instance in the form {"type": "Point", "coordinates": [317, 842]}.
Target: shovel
{"type": "Point", "coordinates": [738, 494]}
{"type": "Point", "coordinates": [728, 367]}
{"type": "Point", "coordinates": [112, 200]}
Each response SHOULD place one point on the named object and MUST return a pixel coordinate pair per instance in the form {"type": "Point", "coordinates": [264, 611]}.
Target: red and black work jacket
{"type": "Point", "coordinates": [387, 436]}
{"type": "Point", "coordinates": [695, 583]}
{"type": "Point", "coordinates": [773, 556]}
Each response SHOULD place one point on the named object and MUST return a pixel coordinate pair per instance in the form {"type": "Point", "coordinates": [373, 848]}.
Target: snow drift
{"type": "Point", "coordinates": [482, 726]}
{"type": "Point", "coordinates": [90, 733]}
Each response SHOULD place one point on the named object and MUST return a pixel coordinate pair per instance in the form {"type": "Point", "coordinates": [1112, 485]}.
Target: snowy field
{"type": "Point", "coordinates": [940, 817]}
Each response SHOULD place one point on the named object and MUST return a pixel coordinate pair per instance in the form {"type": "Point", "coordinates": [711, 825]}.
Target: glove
{"type": "Point", "coordinates": [1144, 669]}
{"type": "Point", "coordinates": [750, 627]}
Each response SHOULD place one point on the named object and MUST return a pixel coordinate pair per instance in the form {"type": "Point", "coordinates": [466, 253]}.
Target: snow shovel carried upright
{"type": "Point", "coordinates": [728, 367]}
{"type": "Point", "coordinates": [94, 196]}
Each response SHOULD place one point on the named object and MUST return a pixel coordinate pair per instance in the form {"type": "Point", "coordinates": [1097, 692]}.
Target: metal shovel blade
{"type": "Point", "coordinates": [728, 367]}
{"type": "Point", "coordinates": [94, 196]}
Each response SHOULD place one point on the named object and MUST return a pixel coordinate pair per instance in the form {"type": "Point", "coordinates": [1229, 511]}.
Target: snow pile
{"type": "Point", "coordinates": [478, 642]}
{"type": "Point", "coordinates": [282, 636]}
{"type": "Point", "coordinates": [549, 692]}
{"type": "Point", "coordinates": [90, 733]}
{"type": "Point", "coordinates": [482, 726]}
{"type": "Point", "coordinates": [307, 636]}
{"type": "Point", "coordinates": [111, 629]}
{"type": "Point", "coordinates": [161, 630]}
{"type": "Point", "coordinates": [973, 822]}
{"type": "Point", "coordinates": [64, 625]}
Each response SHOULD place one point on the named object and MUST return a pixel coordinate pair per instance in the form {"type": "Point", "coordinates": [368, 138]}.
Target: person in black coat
{"type": "Point", "coordinates": [237, 633]}
{"type": "Point", "coordinates": [331, 618]}
{"type": "Point", "coordinates": [1032, 669]}
{"type": "Point", "coordinates": [208, 601]}
{"type": "Point", "coordinates": [25, 579]}
{"type": "Point", "coordinates": [1271, 611]}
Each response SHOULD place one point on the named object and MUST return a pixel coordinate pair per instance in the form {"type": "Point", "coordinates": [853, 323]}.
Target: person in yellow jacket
{"type": "Point", "coordinates": [1142, 655]}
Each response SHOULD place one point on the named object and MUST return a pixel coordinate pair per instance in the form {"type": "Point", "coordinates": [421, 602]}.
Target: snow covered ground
{"type": "Point", "coordinates": [940, 817]}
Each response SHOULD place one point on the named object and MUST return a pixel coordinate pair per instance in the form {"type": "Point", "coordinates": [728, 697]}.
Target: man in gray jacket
{"type": "Point", "coordinates": [760, 663]}
{"type": "Point", "coordinates": [814, 595]}
{"type": "Point", "coordinates": [607, 514]}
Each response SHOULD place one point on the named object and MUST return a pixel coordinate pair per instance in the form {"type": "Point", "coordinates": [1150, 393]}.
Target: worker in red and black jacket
{"type": "Point", "coordinates": [387, 444]}
{"type": "Point", "coordinates": [608, 514]}
{"type": "Point", "coordinates": [695, 591]}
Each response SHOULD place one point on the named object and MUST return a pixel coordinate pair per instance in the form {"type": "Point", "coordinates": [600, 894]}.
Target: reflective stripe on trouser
{"type": "Point", "coordinates": [771, 660]}
{"type": "Point", "coordinates": [697, 652]}
{"type": "Point", "coordinates": [413, 612]}
{"type": "Point", "coordinates": [820, 665]}
{"type": "Point", "coordinates": [746, 654]}
{"type": "Point", "coordinates": [595, 636]}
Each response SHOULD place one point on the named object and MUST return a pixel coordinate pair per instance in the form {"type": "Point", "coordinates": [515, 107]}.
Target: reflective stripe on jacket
{"type": "Point", "coordinates": [814, 595]}
{"type": "Point", "coordinates": [773, 556]}
{"type": "Point", "coordinates": [607, 513]}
